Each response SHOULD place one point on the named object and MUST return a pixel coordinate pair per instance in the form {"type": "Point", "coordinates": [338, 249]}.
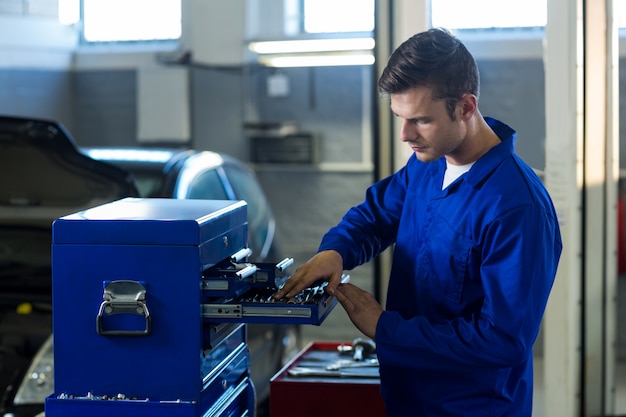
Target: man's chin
{"type": "Point", "coordinates": [424, 157]}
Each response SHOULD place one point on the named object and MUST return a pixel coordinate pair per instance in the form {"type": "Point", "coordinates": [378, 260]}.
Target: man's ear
{"type": "Point", "coordinates": [468, 105]}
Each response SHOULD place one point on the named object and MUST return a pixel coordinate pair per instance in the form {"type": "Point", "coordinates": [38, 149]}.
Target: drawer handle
{"type": "Point", "coordinates": [124, 297]}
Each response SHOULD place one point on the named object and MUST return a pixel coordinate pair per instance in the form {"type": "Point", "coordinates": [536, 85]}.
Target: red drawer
{"type": "Point", "coordinates": [320, 395]}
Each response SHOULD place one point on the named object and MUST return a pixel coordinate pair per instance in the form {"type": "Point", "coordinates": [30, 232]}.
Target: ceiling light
{"type": "Point", "coordinates": [312, 45]}
{"type": "Point", "coordinates": [283, 61]}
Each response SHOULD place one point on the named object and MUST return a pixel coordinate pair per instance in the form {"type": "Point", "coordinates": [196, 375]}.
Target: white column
{"type": "Point", "coordinates": [581, 174]}
{"type": "Point", "coordinates": [216, 31]}
{"type": "Point", "coordinates": [600, 223]}
{"type": "Point", "coordinates": [396, 21]}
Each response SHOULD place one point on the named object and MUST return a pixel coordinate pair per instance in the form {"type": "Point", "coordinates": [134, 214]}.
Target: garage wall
{"type": "Point", "coordinates": [217, 111]}
{"type": "Point", "coordinates": [35, 62]}
{"type": "Point", "coordinates": [326, 101]}
{"type": "Point", "coordinates": [99, 107]}
{"type": "Point", "coordinates": [513, 91]}
{"type": "Point", "coordinates": [104, 108]}
{"type": "Point", "coordinates": [39, 93]}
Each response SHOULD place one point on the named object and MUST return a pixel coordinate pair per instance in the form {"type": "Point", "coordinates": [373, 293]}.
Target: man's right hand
{"type": "Point", "coordinates": [326, 265]}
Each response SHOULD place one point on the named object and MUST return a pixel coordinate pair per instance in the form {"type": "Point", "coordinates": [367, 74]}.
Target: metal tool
{"type": "Point", "coordinates": [300, 371]}
{"type": "Point", "coordinates": [362, 348]}
{"type": "Point", "coordinates": [347, 363]}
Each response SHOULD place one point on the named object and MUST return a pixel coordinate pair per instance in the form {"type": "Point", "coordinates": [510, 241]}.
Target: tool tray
{"type": "Point", "coordinates": [243, 293]}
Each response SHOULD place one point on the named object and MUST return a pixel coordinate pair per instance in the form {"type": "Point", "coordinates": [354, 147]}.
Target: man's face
{"type": "Point", "coordinates": [426, 124]}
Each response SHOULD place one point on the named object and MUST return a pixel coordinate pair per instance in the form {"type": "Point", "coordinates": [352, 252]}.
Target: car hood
{"type": "Point", "coordinates": [44, 176]}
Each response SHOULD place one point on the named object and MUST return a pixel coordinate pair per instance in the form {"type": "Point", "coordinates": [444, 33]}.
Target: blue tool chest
{"type": "Point", "coordinates": [150, 301]}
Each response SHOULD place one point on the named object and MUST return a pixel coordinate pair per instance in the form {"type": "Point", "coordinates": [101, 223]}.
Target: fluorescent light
{"type": "Point", "coordinates": [314, 52]}
{"type": "Point", "coordinates": [130, 154]}
{"type": "Point", "coordinates": [312, 45]}
{"type": "Point", "coordinates": [282, 61]}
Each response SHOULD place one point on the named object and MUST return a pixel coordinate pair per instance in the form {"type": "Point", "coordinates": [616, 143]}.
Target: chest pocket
{"type": "Point", "coordinates": [445, 261]}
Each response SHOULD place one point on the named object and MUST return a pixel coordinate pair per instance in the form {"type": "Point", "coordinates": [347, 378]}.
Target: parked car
{"type": "Point", "coordinates": [43, 176]}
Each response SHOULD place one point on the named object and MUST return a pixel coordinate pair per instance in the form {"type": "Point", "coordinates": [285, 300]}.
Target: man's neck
{"type": "Point", "coordinates": [480, 139]}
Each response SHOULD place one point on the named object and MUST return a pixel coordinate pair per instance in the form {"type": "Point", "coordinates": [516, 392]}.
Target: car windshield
{"type": "Point", "coordinates": [149, 182]}
{"type": "Point", "coordinates": [259, 215]}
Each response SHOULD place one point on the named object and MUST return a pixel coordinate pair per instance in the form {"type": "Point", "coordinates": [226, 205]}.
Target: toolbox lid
{"type": "Point", "coordinates": [151, 221]}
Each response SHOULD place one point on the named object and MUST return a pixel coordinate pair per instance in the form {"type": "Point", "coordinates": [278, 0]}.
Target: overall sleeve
{"type": "Point", "coordinates": [370, 227]}
{"type": "Point", "coordinates": [517, 269]}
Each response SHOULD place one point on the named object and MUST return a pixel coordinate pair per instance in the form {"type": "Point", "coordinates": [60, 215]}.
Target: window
{"type": "Point", "coordinates": [142, 20]}
{"type": "Point", "coordinates": [69, 12]}
{"type": "Point", "coordinates": [480, 14]}
{"type": "Point", "coordinates": [350, 24]}
{"type": "Point", "coordinates": [620, 13]}
{"type": "Point", "coordinates": [329, 16]}
{"type": "Point", "coordinates": [124, 20]}
{"type": "Point", "coordinates": [207, 186]}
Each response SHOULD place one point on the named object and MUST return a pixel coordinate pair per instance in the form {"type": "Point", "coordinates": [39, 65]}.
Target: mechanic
{"type": "Point", "coordinates": [476, 244]}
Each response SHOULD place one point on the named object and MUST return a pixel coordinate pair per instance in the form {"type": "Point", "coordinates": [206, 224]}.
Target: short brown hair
{"type": "Point", "coordinates": [435, 59]}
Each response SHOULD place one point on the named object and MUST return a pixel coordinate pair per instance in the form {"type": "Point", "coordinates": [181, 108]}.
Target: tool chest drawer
{"type": "Point", "coordinates": [226, 374]}
{"type": "Point", "coordinates": [352, 392]}
{"type": "Point", "coordinates": [243, 293]}
{"type": "Point", "coordinates": [226, 392]}
{"type": "Point", "coordinates": [237, 402]}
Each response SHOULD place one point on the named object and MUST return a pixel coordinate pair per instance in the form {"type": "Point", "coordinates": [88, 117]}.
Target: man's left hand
{"type": "Point", "coordinates": [361, 306]}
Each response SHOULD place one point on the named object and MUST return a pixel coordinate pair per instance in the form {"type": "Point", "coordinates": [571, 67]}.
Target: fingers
{"type": "Point", "coordinates": [326, 265]}
{"type": "Point", "coordinates": [348, 296]}
{"type": "Point", "coordinates": [361, 306]}
{"type": "Point", "coordinates": [333, 282]}
{"type": "Point", "coordinates": [342, 296]}
{"type": "Point", "coordinates": [296, 283]}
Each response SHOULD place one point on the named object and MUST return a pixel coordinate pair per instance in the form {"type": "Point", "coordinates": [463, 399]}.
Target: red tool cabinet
{"type": "Point", "coordinates": [329, 395]}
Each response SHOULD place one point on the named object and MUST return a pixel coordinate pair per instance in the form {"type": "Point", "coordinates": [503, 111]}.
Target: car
{"type": "Point", "coordinates": [45, 175]}
{"type": "Point", "coordinates": [191, 174]}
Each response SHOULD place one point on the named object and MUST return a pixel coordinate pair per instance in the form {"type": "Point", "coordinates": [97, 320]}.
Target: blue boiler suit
{"type": "Point", "coordinates": [473, 266]}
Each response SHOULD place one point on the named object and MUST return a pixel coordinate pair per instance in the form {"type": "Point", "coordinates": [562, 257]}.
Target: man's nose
{"type": "Point", "coordinates": [407, 132]}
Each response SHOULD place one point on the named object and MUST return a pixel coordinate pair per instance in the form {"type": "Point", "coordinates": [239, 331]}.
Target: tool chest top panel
{"type": "Point", "coordinates": [163, 221]}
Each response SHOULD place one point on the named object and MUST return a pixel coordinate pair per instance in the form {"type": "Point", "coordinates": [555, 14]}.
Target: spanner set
{"type": "Point", "coordinates": [244, 293]}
